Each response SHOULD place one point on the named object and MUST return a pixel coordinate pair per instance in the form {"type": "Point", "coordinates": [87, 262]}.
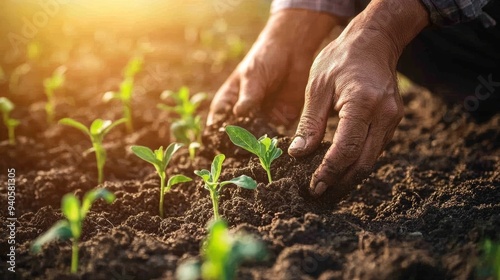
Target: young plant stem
{"type": "Point", "coordinates": [12, 138]}
{"type": "Point", "coordinates": [162, 191]}
{"type": "Point", "coordinates": [100, 155]}
{"type": "Point", "coordinates": [74, 256]}
{"type": "Point", "coordinates": [127, 114]}
{"type": "Point", "coordinates": [269, 175]}
{"type": "Point", "coordinates": [215, 202]}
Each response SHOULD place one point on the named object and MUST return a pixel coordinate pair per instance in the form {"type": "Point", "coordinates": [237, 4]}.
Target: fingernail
{"type": "Point", "coordinates": [298, 143]}
{"type": "Point", "coordinates": [320, 188]}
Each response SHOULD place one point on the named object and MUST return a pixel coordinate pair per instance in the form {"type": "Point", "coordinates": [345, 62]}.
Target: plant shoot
{"type": "Point", "coordinates": [160, 159]}
{"type": "Point", "coordinates": [187, 127]}
{"type": "Point", "coordinates": [98, 129]}
{"type": "Point", "coordinates": [265, 148]}
{"type": "Point", "coordinates": [71, 227]}
{"type": "Point", "coordinates": [6, 106]}
{"type": "Point", "coordinates": [212, 184]}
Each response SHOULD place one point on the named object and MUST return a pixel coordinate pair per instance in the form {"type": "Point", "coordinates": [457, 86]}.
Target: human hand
{"type": "Point", "coordinates": [356, 75]}
{"type": "Point", "coordinates": [272, 77]}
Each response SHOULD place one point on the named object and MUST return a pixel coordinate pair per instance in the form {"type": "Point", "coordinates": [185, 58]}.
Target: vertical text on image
{"type": "Point", "coordinates": [11, 219]}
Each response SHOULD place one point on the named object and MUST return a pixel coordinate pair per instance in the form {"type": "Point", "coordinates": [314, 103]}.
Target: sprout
{"type": "Point", "coordinates": [160, 159]}
{"type": "Point", "coordinates": [187, 127]}
{"type": "Point", "coordinates": [98, 129]}
{"type": "Point", "coordinates": [265, 148]}
{"type": "Point", "coordinates": [6, 106]}
{"type": "Point", "coordinates": [50, 85]}
{"type": "Point", "coordinates": [222, 254]}
{"type": "Point", "coordinates": [212, 184]}
{"type": "Point", "coordinates": [126, 89]}
{"type": "Point", "coordinates": [72, 226]}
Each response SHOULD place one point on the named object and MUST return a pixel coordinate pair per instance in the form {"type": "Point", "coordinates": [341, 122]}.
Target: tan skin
{"type": "Point", "coordinates": [354, 75]}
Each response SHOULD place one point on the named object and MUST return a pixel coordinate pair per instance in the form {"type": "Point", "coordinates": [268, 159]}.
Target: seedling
{"type": "Point", "coordinates": [50, 85]}
{"type": "Point", "coordinates": [187, 127]}
{"type": "Point", "coordinates": [212, 184]}
{"type": "Point", "coordinates": [126, 89]}
{"type": "Point", "coordinates": [6, 106]}
{"type": "Point", "coordinates": [265, 148]}
{"type": "Point", "coordinates": [71, 227]}
{"type": "Point", "coordinates": [222, 254]}
{"type": "Point", "coordinates": [160, 159]}
{"type": "Point", "coordinates": [98, 129]}
{"type": "Point", "coordinates": [489, 263]}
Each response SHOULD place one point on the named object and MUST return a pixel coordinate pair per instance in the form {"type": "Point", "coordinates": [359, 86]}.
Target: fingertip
{"type": "Point", "coordinates": [318, 188]}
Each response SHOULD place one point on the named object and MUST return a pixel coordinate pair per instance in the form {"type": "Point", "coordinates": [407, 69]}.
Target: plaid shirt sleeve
{"type": "Point", "coordinates": [449, 12]}
{"type": "Point", "coordinates": [442, 12]}
{"type": "Point", "coordinates": [343, 8]}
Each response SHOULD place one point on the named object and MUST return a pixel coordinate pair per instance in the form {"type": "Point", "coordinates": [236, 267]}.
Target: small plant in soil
{"type": "Point", "coordinates": [265, 148]}
{"type": "Point", "coordinates": [222, 254]}
{"type": "Point", "coordinates": [51, 84]}
{"type": "Point", "coordinates": [212, 184]}
{"type": "Point", "coordinates": [187, 127]}
{"type": "Point", "coordinates": [71, 227]}
{"type": "Point", "coordinates": [6, 106]}
{"type": "Point", "coordinates": [160, 159]}
{"type": "Point", "coordinates": [133, 67]}
{"type": "Point", "coordinates": [98, 129]}
{"type": "Point", "coordinates": [489, 263]}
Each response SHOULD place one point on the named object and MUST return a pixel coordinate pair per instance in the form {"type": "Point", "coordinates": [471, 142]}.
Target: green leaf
{"type": "Point", "coordinates": [170, 151]}
{"type": "Point", "coordinates": [242, 181]}
{"type": "Point", "coordinates": [75, 124]}
{"type": "Point", "coordinates": [98, 125]}
{"type": "Point", "coordinates": [6, 105]}
{"type": "Point", "coordinates": [91, 196]}
{"type": "Point", "coordinates": [217, 251]}
{"type": "Point", "coordinates": [243, 138]}
{"type": "Point", "coordinates": [216, 167]}
{"type": "Point", "coordinates": [59, 230]}
{"type": "Point", "coordinates": [177, 179]}
{"type": "Point", "coordinates": [145, 153]}
{"type": "Point", "coordinates": [71, 208]}
{"type": "Point", "coordinates": [133, 66]}
{"type": "Point", "coordinates": [126, 89]}
{"type": "Point", "coordinates": [13, 122]}
{"type": "Point", "coordinates": [204, 174]}
{"type": "Point", "coordinates": [108, 126]}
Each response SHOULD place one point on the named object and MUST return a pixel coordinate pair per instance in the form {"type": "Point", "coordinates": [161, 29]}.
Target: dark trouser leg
{"type": "Point", "coordinates": [461, 63]}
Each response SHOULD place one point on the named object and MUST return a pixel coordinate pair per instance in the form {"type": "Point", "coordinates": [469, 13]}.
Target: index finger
{"type": "Point", "coordinates": [347, 145]}
{"type": "Point", "coordinates": [225, 99]}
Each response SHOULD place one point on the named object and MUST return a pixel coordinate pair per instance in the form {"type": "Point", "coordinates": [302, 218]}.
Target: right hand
{"type": "Point", "coordinates": [272, 77]}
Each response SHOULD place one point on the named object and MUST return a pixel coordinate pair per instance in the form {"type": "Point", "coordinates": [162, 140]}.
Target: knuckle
{"type": "Point", "coordinates": [351, 149]}
{"type": "Point", "coordinates": [310, 124]}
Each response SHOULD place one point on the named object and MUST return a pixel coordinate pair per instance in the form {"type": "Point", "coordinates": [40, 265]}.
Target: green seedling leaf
{"type": "Point", "coordinates": [242, 181]}
{"type": "Point", "coordinates": [6, 106]}
{"type": "Point", "coordinates": [75, 124]}
{"type": "Point", "coordinates": [170, 151]}
{"type": "Point", "coordinates": [71, 207]}
{"type": "Point", "coordinates": [91, 196]}
{"type": "Point", "coordinates": [216, 168]}
{"type": "Point", "coordinates": [59, 230]}
{"type": "Point", "coordinates": [145, 154]}
{"type": "Point", "coordinates": [204, 174]}
{"type": "Point", "coordinates": [264, 148]}
{"type": "Point", "coordinates": [242, 138]}
{"type": "Point", "coordinates": [177, 179]}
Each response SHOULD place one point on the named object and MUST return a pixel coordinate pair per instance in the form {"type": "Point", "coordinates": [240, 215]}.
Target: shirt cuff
{"type": "Point", "coordinates": [450, 12]}
{"type": "Point", "coordinates": [342, 8]}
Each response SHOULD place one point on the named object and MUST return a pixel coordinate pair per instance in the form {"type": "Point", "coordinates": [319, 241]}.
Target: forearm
{"type": "Point", "coordinates": [387, 26]}
{"type": "Point", "coordinates": [298, 27]}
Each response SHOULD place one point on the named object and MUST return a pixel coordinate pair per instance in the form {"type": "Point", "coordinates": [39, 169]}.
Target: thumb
{"type": "Point", "coordinates": [312, 124]}
{"type": "Point", "coordinates": [252, 92]}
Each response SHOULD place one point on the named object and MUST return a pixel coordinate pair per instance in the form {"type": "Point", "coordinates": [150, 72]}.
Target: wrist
{"type": "Point", "coordinates": [301, 30]}
{"type": "Point", "coordinates": [389, 25]}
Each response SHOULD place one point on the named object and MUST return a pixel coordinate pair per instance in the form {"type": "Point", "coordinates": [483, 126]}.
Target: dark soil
{"type": "Point", "coordinates": [431, 200]}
